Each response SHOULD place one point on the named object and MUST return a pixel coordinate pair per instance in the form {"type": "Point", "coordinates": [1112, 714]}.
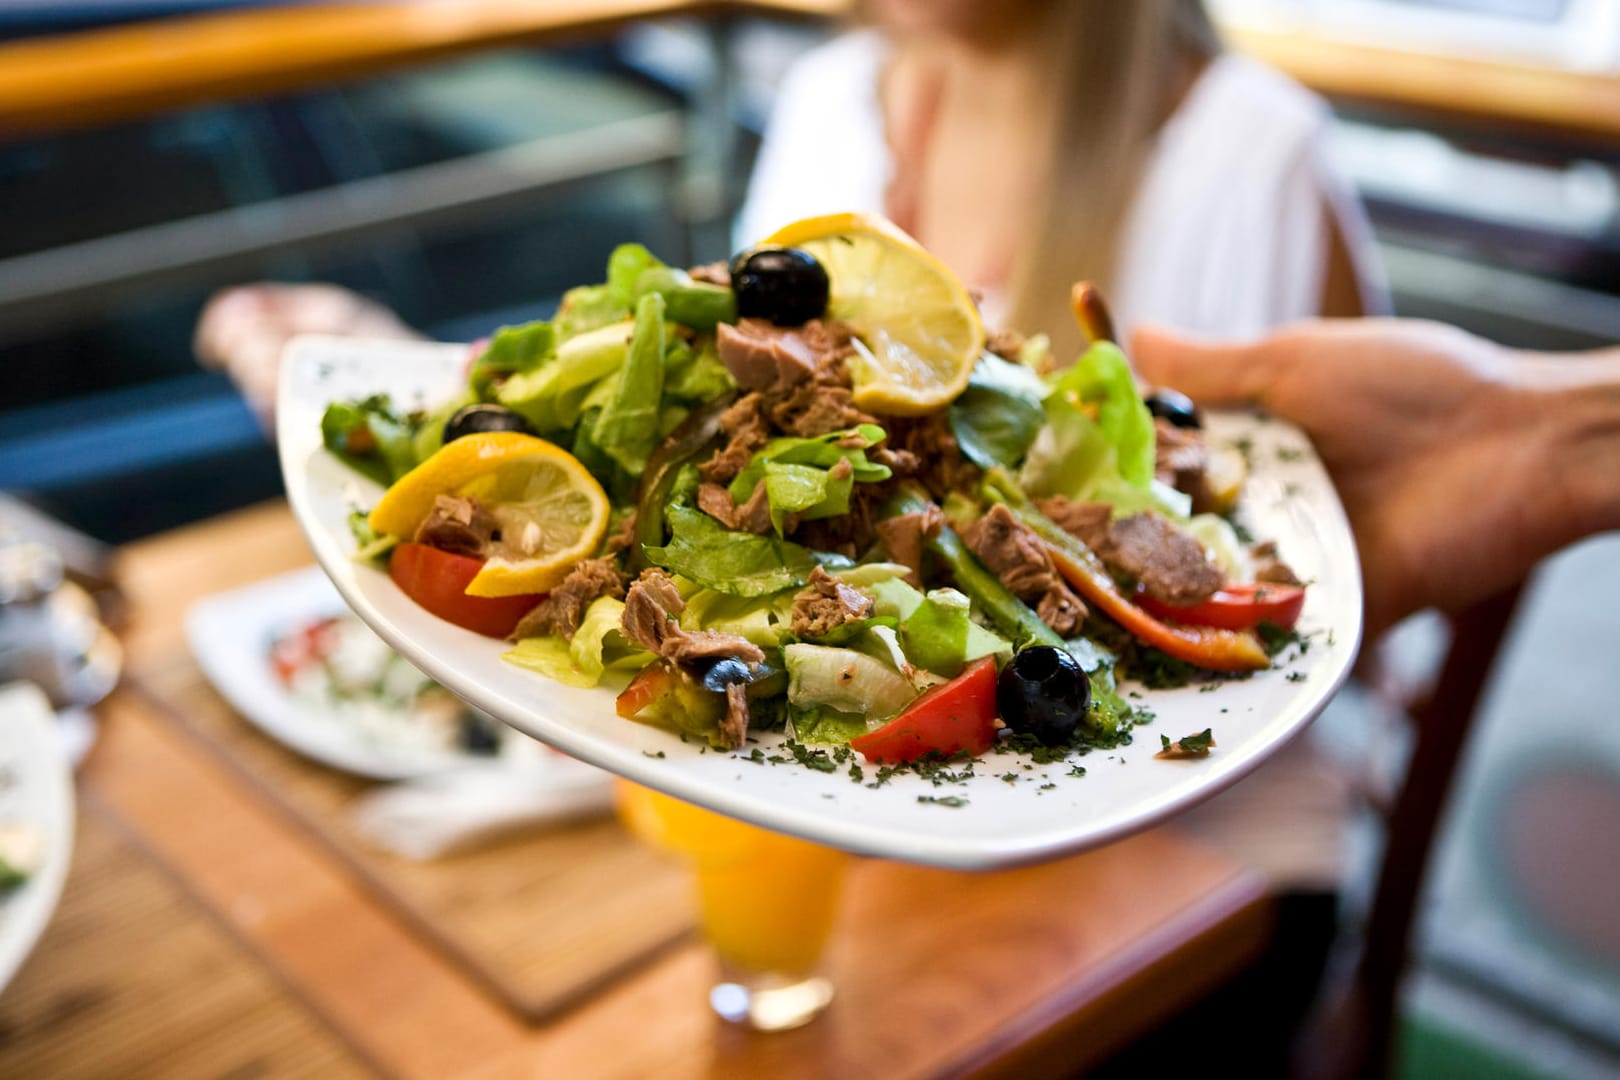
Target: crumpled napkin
{"type": "Point", "coordinates": [463, 808]}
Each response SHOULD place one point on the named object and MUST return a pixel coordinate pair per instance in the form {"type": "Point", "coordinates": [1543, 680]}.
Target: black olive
{"type": "Point", "coordinates": [1044, 693]}
{"type": "Point", "coordinates": [1174, 406]}
{"type": "Point", "coordinates": [723, 672]}
{"type": "Point", "coordinates": [476, 419]}
{"type": "Point", "coordinates": [479, 734]}
{"type": "Point", "coordinates": [785, 285]}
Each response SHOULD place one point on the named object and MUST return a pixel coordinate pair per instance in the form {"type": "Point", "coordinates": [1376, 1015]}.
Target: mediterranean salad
{"type": "Point", "coordinates": [807, 492]}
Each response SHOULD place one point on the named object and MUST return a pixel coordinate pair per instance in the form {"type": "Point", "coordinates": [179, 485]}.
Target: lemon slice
{"type": "Point", "coordinates": [552, 512]}
{"type": "Point", "coordinates": [919, 331]}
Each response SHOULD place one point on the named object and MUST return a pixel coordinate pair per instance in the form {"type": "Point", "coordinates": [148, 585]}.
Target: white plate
{"type": "Point", "coordinates": [36, 789]}
{"type": "Point", "coordinates": [231, 634]}
{"type": "Point", "coordinates": [1289, 498]}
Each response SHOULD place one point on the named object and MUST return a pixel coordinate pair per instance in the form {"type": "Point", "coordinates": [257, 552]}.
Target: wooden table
{"type": "Point", "coordinates": [202, 934]}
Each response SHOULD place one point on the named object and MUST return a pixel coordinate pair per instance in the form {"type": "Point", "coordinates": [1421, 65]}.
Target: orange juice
{"type": "Point", "coordinates": [767, 900]}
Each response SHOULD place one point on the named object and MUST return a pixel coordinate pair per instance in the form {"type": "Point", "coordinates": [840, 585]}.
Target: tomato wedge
{"type": "Point", "coordinates": [652, 682]}
{"type": "Point", "coordinates": [1236, 607]}
{"type": "Point", "coordinates": [437, 580]}
{"type": "Point", "coordinates": [958, 715]}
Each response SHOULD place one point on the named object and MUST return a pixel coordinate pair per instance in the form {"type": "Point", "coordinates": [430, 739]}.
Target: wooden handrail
{"type": "Point", "coordinates": [1538, 100]}
{"type": "Point", "coordinates": [125, 72]}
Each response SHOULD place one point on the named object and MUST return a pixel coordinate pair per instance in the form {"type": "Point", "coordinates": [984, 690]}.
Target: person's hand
{"type": "Point", "coordinates": [1460, 464]}
{"type": "Point", "coordinates": [243, 330]}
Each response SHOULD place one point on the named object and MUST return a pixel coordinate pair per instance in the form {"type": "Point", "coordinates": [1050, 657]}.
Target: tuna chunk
{"type": "Point", "coordinates": [563, 609]}
{"type": "Point", "coordinates": [458, 524]}
{"type": "Point", "coordinates": [1169, 565]}
{"type": "Point", "coordinates": [1269, 567]}
{"type": "Point", "coordinates": [1087, 520]}
{"type": "Point", "coordinates": [761, 355]}
{"type": "Point", "coordinates": [747, 430]}
{"type": "Point", "coordinates": [826, 605]}
{"type": "Point", "coordinates": [650, 610]}
{"type": "Point", "coordinates": [904, 535]}
{"type": "Point", "coordinates": [734, 725]}
{"type": "Point", "coordinates": [752, 516]}
{"type": "Point", "coordinates": [1011, 550]}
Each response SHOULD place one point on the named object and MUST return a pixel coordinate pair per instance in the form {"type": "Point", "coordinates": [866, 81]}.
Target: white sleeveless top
{"type": "Point", "coordinates": [1228, 234]}
{"type": "Point", "coordinates": [1227, 237]}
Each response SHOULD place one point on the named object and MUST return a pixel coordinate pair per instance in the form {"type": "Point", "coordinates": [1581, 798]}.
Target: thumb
{"type": "Point", "coordinates": [1211, 373]}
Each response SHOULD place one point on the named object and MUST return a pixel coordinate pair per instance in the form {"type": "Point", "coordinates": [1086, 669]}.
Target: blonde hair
{"type": "Point", "coordinates": [1119, 69]}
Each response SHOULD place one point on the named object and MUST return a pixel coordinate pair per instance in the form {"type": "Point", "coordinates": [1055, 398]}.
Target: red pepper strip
{"type": "Point", "coordinates": [1202, 646]}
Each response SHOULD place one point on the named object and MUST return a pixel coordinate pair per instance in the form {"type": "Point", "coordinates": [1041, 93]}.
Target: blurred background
{"type": "Point", "coordinates": [468, 184]}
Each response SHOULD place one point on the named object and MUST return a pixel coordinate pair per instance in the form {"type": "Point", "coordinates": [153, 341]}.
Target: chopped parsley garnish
{"type": "Point", "coordinates": [1188, 746]}
{"type": "Point", "coordinates": [952, 801]}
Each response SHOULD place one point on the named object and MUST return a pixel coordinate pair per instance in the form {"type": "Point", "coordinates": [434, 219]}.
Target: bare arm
{"type": "Point", "coordinates": [1461, 464]}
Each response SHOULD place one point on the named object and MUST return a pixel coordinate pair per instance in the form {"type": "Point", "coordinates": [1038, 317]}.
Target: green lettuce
{"type": "Point", "coordinates": [999, 414]}
{"type": "Point", "coordinates": [739, 564]}
{"type": "Point", "coordinates": [691, 303]}
{"type": "Point", "coordinates": [940, 636]}
{"type": "Point", "coordinates": [1098, 442]}
{"type": "Point", "coordinates": [761, 619]}
{"type": "Point", "coordinates": [370, 437]}
{"type": "Point", "coordinates": [624, 269]}
{"type": "Point", "coordinates": [935, 631]}
{"type": "Point", "coordinates": [512, 351]}
{"type": "Point", "coordinates": [586, 308]}
{"type": "Point", "coordinates": [825, 726]}
{"type": "Point", "coordinates": [552, 396]}
{"type": "Point", "coordinates": [694, 377]}
{"type": "Point", "coordinates": [627, 429]}
{"type": "Point", "coordinates": [798, 478]}
{"type": "Point", "coordinates": [598, 646]}
{"type": "Point", "coordinates": [845, 680]}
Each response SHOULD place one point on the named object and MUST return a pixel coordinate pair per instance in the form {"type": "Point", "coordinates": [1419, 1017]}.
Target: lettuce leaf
{"type": "Point", "coordinates": [691, 303]}
{"type": "Point", "coordinates": [821, 725]}
{"type": "Point", "coordinates": [598, 646]}
{"type": "Point", "coordinates": [586, 308]}
{"type": "Point", "coordinates": [552, 395]}
{"type": "Point", "coordinates": [845, 680]}
{"type": "Point", "coordinates": [624, 269]}
{"type": "Point", "coordinates": [739, 564]}
{"type": "Point", "coordinates": [695, 377]}
{"type": "Point", "coordinates": [627, 429]}
{"type": "Point", "coordinates": [1097, 442]}
{"type": "Point", "coordinates": [512, 351]}
{"type": "Point", "coordinates": [798, 478]}
{"type": "Point", "coordinates": [999, 414]}
{"type": "Point", "coordinates": [761, 619]}
{"type": "Point", "coordinates": [939, 635]}
{"type": "Point", "coordinates": [370, 437]}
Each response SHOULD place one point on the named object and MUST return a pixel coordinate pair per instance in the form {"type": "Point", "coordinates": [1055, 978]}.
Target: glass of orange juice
{"type": "Point", "coordinates": [766, 902]}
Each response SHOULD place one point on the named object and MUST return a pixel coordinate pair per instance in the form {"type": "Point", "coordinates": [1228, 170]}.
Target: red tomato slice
{"type": "Point", "coordinates": [651, 683]}
{"type": "Point", "coordinates": [438, 581]}
{"type": "Point", "coordinates": [1236, 607]}
{"type": "Point", "coordinates": [958, 715]}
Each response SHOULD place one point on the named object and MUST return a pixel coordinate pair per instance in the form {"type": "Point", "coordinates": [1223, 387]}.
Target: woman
{"type": "Point", "coordinates": [1033, 143]}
